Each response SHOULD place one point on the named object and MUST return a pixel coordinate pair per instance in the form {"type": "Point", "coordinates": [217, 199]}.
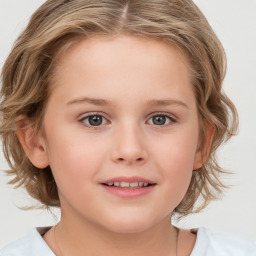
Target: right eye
{"type": "Point", "coordinates": [93, 120]}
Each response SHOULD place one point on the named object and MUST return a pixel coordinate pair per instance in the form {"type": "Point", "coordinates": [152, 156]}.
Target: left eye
{"type": "Point", "coordinates": [161, 120]}
{"type": "Point", "coordinates": [94, 120]}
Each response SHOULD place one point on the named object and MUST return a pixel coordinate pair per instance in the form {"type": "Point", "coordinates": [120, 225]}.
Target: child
{"type": "Point", "coordinates": [113, 111]}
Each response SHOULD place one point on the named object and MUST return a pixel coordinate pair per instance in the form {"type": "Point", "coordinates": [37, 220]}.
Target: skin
{"type": "Point", "coordinates": [139, 79]}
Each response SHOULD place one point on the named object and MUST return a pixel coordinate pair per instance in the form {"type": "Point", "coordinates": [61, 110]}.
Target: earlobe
{"type": "Point", "coordinates": [202, 153]}
{"type": "Point", "coordinates": [32, 143]}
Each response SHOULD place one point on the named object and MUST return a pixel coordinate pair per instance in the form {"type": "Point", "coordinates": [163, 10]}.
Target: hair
{"type": "Point", "coordinates": [29, 70]}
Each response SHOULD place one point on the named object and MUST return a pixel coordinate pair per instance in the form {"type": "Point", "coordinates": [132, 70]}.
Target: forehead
{"type": "Point", "coordinates": [105, 48]}
{"type": "Point", "coordinates": [123, 67]}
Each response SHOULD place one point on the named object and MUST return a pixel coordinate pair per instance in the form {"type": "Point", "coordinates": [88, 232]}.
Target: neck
{"type": "Point", "coordinates": [89, 239]}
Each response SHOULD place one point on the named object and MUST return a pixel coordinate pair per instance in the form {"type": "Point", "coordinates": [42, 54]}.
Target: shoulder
{"type": "Point", "coordinates": [31, 244]}
{"type": "Point", "coordinates": [210, 243]}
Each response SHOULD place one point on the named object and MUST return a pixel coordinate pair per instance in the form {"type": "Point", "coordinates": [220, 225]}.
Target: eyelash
{"type": "Point", "coordinates": [82, 120]}
{"type": "Point", "coordinates": [171, 118]}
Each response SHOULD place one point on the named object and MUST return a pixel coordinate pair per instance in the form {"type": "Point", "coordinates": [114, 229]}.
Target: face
{"type": "Point", "coordinates": [121, 113]}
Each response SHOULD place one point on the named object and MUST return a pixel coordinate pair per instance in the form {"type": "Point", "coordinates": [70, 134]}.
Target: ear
{"type": "Point", "coordinates": [203, 150]}
{"type": "Point", "coordinates": [32, 143]}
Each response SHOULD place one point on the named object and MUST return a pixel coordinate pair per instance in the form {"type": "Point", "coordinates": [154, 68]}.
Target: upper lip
{"type": "Point", "coordinates": [129, 179]}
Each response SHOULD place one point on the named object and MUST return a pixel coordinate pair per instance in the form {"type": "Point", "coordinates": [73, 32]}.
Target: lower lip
{"type": "Point", "coordinates": [128, 192]}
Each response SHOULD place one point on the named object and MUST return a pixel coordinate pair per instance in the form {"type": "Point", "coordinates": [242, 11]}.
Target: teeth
{"type": "Point", "coordinates": [124, 184]}
{"type": "Point", "coordinates": [127, 184]}
{"type": "Point", "coordinates": [134, 184]}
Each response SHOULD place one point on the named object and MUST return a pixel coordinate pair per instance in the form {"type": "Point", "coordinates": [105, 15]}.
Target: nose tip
{"type": "Point", "coordinates": [130, 149]}
{"type": "Point", "coordinates": [129, 156]}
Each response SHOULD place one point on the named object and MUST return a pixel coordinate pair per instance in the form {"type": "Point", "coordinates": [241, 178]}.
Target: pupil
{"type": "Point", "coordinates": [159, 120]}
{"type": "Point", "coordinates": [95, 120]}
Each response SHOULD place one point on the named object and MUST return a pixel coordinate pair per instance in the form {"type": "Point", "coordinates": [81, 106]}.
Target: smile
{"type": "Point", "coordinates": [129, 187]}
{"type": "Point", "coordinates": [128, 184]}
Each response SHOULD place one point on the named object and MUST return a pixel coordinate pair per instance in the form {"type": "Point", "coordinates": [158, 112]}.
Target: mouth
{"type": "Point", "coordinates": [128, 182]}
{"type": "Point", "coordinates": [131, 185]}
{"type": "Point", "coordinates": [128, 187]}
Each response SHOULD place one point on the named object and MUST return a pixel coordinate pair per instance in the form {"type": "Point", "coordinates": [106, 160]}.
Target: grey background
{"type": "Point", "coordinates": [235, 24]}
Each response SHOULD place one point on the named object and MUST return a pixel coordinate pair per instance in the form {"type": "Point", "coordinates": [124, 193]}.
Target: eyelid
{"type": "Point", "coordinates": [86, 115]}
{"type": "Point", "coordinates": [173, 118]}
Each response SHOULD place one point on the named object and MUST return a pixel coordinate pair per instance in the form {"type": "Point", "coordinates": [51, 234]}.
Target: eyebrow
{"type": "Point", "coordinates": [93, 101]}
{"type": "Point", "coordinates": [167, 102]}
{"type": "Point", "coordinates": [103, 102]}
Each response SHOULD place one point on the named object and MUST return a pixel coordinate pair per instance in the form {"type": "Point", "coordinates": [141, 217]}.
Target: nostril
{"type": "Point", "coordinates": [138, 160]}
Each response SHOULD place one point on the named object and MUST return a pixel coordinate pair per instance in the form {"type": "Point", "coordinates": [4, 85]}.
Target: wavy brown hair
{"type": "Point", "coordinates": [29, 71]}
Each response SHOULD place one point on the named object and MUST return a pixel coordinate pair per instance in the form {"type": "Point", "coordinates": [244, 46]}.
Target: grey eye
{"type": "Point", "coordinates": [94, 120]}
{"type": "Point", "coordinates": [159, 119]}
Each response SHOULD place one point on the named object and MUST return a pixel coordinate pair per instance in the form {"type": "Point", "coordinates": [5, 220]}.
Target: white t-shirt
{"type": "Point", "coordinates": [207, 244]}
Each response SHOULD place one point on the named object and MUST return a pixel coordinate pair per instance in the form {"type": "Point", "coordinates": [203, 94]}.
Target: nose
{"type": "Point", "coordinates": [130, 146]}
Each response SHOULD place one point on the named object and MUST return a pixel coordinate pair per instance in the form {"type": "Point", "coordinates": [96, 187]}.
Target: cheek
{"type": "Point", "coordinates": [176, 152]}
{"type": "Point", "coordinates": [73, 159]}
{"type": "Point", "coordinates": [175, 159]}
{"type": "Point", "coordinates": [74, 170]}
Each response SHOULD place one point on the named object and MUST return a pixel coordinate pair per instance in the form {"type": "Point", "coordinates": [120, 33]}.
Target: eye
{"type": "Point", "coordinates": [161, 120]}
{"type": "Point", "coordinates": [93, 120]}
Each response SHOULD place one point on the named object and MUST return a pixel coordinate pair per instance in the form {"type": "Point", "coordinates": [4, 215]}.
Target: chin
{"type": "Point", "coordinates": [129, 225]}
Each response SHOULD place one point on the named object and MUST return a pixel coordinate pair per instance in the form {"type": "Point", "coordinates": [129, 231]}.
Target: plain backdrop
{"type": "Point", "coordinates": [235, 24]}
